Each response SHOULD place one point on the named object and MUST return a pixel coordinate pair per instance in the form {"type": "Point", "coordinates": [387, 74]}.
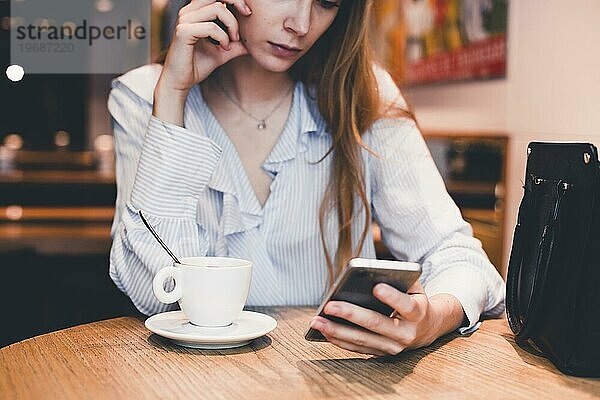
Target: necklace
{"type": "Point", "coordinates": [262, 122]}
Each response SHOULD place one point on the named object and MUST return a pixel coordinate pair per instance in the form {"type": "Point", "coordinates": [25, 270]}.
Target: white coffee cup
{"type": "Point", "coordinates": [211, 291]}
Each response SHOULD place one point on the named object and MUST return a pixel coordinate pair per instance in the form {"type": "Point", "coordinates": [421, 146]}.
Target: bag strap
{"type": "Point", "coordinates": [521, 326]}
{"type": "Point", "coordinates": [514, 270]}
{"type": "Point", "coordinates": [514, 264]}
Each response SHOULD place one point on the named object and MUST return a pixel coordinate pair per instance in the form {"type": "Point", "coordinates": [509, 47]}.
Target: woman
{"type": "Point", "coordinates": [279, 145]}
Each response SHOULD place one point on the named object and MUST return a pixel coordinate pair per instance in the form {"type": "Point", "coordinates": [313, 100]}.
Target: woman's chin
{"type": "Point", "coordinates": [274, 64]}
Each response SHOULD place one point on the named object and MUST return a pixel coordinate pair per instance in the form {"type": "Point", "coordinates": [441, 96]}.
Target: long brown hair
{"type": "Point", "coordinates": [340, 65]}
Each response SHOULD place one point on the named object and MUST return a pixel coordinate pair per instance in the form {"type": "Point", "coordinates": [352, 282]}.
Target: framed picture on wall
{"type": "Point", "coordinates": [426, 41]}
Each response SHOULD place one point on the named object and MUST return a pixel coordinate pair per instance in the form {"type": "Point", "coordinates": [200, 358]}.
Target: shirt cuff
{"type": "Point", "coordinates": [174, 168]}
{"type": "Point", "coordinates": [468, 286]}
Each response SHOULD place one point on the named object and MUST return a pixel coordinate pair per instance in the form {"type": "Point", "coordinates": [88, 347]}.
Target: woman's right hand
{"type": "Point", "coordinates": [191, 56]}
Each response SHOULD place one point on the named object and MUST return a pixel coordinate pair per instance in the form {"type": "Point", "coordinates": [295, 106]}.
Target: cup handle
{"type": "Point", "coordinates": [159, 282]}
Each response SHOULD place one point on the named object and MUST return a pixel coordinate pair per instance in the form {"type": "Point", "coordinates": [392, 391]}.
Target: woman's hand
{"type": "Point", "coordinates": [416, 322]}
{"type": "Point", "coordinates": [191, 56]}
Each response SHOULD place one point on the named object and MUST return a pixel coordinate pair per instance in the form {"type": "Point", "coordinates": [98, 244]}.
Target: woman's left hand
{"type": "Point", "coordinates": [416, 322]}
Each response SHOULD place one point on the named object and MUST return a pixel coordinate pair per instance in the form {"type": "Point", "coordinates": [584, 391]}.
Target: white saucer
{"type": "Point", "coordinates": [175, 326]}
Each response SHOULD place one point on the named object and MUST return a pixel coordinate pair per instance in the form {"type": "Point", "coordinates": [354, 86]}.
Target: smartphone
{"type": "Point", "coordinates": [221, 25]}
{"type": "Point", "coordinates": [356, 282]}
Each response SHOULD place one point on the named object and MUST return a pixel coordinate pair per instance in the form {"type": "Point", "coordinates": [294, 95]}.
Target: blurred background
{"type": "Point", "coordinates": [484, 77]}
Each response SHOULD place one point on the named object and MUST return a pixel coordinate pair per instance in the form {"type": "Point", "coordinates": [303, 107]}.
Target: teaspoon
{"type": "Point", "coordinates": [153, 232]}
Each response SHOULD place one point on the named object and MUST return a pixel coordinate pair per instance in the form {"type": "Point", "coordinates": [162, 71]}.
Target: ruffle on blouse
{"type": "Point", "coordinates": [306, 136]}
{"type": "Point", "coordinates": [237, 215]}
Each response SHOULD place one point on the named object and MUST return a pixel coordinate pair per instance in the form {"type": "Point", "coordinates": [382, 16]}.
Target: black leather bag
{"type": "Point", "coordinates": [553, 285]}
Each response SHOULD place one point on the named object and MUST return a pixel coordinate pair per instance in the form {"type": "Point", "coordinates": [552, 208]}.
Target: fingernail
{"type": "Point", "coordinates": [332, 309]}
{"type": "Point", "coordinates": [316, 324]}
{"type": "Point", "coordinates": [248, 10]}
{"type": "Point", "coordinates": [383, 290]}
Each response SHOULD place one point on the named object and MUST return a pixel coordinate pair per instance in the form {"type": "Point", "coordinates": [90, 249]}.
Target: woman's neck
{"type": "Point", "coordinates": [249, 83]}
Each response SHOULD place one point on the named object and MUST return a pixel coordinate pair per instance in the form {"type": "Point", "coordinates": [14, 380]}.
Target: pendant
{"type": "Point", "coordinates": [262, 125]}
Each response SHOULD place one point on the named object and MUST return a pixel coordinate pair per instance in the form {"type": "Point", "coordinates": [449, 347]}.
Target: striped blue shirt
{"type": "Point", "coordinates": [193, 189]}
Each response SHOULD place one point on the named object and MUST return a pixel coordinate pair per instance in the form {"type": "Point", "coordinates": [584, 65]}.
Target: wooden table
{"type": "Point", "coordinates": [119, 358]}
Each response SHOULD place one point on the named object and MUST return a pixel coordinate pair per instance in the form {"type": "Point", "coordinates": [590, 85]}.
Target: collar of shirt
{"type": "Point", "coordinates": [304, 134]}
{"type": "Point", "coordinates": [142, 82]}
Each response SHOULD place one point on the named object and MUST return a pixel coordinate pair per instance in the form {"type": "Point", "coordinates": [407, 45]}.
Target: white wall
{"type": "Point", "coordinates": [552, 90]}
{"type": "Point", "coordinates": [469, 106]}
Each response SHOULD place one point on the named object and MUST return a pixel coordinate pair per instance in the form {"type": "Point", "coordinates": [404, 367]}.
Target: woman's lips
{"type": "Point", "coordinates": [282, 51]}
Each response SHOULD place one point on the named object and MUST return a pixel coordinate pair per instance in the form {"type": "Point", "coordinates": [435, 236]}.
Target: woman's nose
{"type": "Point", "coordinates": [299, 19]}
